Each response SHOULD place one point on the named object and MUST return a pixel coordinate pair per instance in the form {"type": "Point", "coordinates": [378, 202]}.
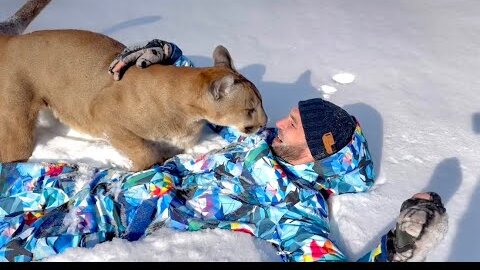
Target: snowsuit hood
{"type": "Point", "coordinates": [350, 164]}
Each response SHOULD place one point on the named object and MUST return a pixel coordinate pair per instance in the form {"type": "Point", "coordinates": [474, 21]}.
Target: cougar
{"type": "Point", "coordinates": [149, 115]}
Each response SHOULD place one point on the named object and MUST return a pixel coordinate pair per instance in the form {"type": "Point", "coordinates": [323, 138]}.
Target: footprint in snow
{"type": "Point", "coordinates": [342, 78]}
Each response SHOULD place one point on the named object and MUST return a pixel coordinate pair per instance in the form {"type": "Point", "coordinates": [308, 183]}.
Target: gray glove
{"type": "Point", "coordinates": [154, 52]}
{"type": "Point", "coordinates": [421, 225]}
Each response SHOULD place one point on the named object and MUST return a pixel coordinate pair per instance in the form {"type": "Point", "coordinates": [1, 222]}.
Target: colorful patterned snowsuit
{"type": "Point", "coordinates": [242, 187]}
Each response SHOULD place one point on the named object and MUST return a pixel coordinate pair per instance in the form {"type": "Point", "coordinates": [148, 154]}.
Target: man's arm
{"type": "Point", "coordinates": [421, 226]}
{"type": "Point", "coordinates": [301, 241]}
{"type": "Point", "coordinates": [142, 55]}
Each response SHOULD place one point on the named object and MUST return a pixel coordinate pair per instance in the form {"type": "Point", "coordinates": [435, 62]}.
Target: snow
{"type": "Point", "coordinates": [343, 78]}
{"type": "Point", "coordinates": [328, 89]}
{"type": "Point", "coordinates": [415, 94]}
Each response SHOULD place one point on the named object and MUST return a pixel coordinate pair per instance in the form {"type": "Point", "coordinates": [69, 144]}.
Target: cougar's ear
{"type": "Point", "coordinates": [221, 87]}
{"type": "Point", "coordinates": [222, 58]}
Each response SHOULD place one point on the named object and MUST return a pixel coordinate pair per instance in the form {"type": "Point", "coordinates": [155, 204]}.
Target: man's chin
{"type": "Point", "coordinates": [287, 153]}
{"type": "Point", "coordinates": [279, 150]}
{"type": "Point", "coordinates": [276, 142]}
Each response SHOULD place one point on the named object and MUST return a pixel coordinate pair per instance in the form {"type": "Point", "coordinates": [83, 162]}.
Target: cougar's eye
{"type": "Point", "coordinates": [250, 112]}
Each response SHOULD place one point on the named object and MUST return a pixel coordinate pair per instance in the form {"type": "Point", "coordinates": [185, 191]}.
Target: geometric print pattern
{"type": "Point", "coordinates": [242, 187]}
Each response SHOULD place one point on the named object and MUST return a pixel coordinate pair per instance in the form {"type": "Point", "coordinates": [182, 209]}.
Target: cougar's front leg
{"type": "Point", "coordinates": [139, 151]}
{"type": "Point", "coordinates": [18, 116]}
{"type": "Point", "coordinates": [16, 138]}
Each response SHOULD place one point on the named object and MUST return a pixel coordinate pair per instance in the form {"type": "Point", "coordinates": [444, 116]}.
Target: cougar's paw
{"type": "Point", "coordinates": [421, 225]}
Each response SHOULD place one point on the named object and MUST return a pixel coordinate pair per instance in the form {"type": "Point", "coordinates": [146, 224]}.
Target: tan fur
{"type": "Point", "coordinates": [164, 106]}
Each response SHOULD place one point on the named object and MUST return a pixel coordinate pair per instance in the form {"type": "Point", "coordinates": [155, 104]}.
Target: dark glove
{"type": "Point", "coordinates": [154, 52]}
{"type": "Point", "coordinates": [421, 225]}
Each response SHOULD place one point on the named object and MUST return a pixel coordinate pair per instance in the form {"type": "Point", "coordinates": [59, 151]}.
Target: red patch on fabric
{"type": "Point", "coordinates": [243, 230]}
{"type": "Point", "coordinates": [279, 169]}
{"type": "Point", "coordinates": [30, 218]}
{"type": "Point", "coordinates": [159, 192]}
{"type": "Point", "coordinates": [319, 251]}
{"type": "Point", "coordinates": [54, 169]}
{"type": "Point", "coordinates": [156, 192]}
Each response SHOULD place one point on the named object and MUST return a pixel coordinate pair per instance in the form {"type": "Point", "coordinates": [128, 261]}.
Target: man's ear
{"type": "Point", "coordinates": [221, 87]}
{"type": "Point", "coordinates": [222, 58]}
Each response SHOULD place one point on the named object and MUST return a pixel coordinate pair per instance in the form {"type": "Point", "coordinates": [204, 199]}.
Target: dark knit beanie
{"type": "Point", "coordinates": [328, 128]}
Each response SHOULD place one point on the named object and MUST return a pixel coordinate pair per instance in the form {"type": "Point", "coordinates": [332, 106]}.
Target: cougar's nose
{"type": "Point", "coordinates": [249, 129]}
{"type": "Point", "coordinates": [265, 121]}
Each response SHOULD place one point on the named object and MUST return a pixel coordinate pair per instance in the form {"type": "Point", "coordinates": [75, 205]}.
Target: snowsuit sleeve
{"type": "Point", "coordinates": [232, 135]}
{"type": "Point", "coordinates": [306, 239]}
{"type": "Point", "coordinates": [380, 253]}
{"type": "Point", "coordinates": [229, 134]}
{"type": "Point", "coordinates": [309, 246]}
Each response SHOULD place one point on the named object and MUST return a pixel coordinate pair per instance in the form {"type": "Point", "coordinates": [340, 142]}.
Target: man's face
{"type": "Point", "coordinates": [290, 144]}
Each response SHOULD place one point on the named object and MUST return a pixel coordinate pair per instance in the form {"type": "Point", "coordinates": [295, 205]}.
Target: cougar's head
{"type": "Point", "coordinates": [235, 101]}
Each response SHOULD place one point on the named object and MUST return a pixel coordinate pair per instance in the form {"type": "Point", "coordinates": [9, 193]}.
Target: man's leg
{"type": "Point", "coordinates": [111, 204]}
{"type": "Point", "coordinates": [29, 194]}
{"type": "Point", "coordinates": [421, 225]}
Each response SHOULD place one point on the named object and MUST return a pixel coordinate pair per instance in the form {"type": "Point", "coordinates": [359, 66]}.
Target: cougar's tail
{"type": "Point", "coordinates": [16, 24]}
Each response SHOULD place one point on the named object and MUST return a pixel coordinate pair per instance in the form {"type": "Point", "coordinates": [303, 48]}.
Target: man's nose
{"type": "Point", "coordinates": [279, 123]}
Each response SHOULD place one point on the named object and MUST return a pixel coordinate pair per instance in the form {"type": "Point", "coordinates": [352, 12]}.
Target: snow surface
{"type": "Point", "coordinates": [415, 93]}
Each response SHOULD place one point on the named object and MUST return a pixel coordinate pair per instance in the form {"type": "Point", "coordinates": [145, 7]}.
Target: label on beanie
{"type": "Point", "coordinates": [329, 143]}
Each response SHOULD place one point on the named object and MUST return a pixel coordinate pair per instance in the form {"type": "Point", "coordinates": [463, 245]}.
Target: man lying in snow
{"type": "Point", "coordinates": [272, 185]}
